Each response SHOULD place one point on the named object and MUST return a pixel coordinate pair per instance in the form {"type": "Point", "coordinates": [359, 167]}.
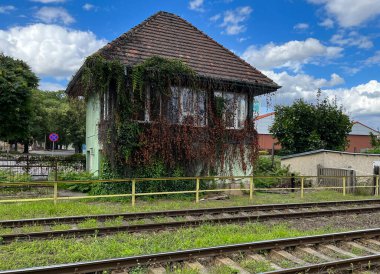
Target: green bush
{"type": "Point", "coordinates": [76, 157]}
{"type": "Point", "coordinates": [76, 176]}
{"type": "Point", "coordinates": [156, 170]}
{"type": "Point", "coordinates": [264, 168]}
{"type": "Point", "coordinates": [374, 150]}
{"type": "Point", "coordinates": [11, 176]}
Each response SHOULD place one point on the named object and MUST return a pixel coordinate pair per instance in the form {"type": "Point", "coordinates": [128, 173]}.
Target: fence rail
{"type": "Point", "coordinates": [38, 167]}
{"type": "Point", "coordinates": [248, 187]}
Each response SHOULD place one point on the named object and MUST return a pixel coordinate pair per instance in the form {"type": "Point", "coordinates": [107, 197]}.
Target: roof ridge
{"type": "Point", "coordinates": [364, 125]}
{"type": "Point", "coordinates": [221, 46]}
{"type": "Point", "coordinates": [130, 32]}
{"type": "Point", "coordinates": [171, 36]}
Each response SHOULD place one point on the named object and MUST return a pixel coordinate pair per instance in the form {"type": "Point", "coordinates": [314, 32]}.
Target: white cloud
{"type": "Point", "coordinates": [292, 55]}
{"type": "Point", "coordinates": [216, 17]}
{"type": "Point", "coordinates": [50, 50]}
{"type": "Point", "coordinates": [196, 5]}
{"type": "Point", "coordinates": [301, 26]}
{"type": "Point", "coordinates": [300, 85]}
{"type": "Point", "coordinates": [49, 1]}
{"type": "Point", "coordinates": [233, 20]}
{"type": "Point", "coordinates": [54, 15]}
{"type": "Point", "coordinates": [373, 60]}
{"type": "Point", "coordinates": [49, 86]}
{"type": "Point", "coordinates": [7, 9]}
{"type": "Point", "coordinates": [88, 6]}
{"type": "Point", "coordinates": [327, 23]}
{"type": "Point", "coordinates": [360, 102]}
{"type": "Point", "coordinates": [353, 38]}
{"type": "Point", "coordinates": [350, 13]}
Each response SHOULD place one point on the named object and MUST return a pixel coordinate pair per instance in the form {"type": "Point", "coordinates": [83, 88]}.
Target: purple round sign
{"type": "Point", "coordinates": [53, 137]}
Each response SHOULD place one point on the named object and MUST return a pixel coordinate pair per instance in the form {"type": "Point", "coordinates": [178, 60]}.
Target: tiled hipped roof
{"type": "Point", "coordinates": [168, 35]}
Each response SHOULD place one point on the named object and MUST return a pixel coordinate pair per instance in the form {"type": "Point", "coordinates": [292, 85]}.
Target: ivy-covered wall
{"type": "Point", "coordinates": [133, 148]}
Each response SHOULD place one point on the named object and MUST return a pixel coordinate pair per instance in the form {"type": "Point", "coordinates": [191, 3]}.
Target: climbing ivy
{"type": "Point", "coordinates": [134, 148]}
{"type": "Point", "coordinates": [98, 73]}
{"type": "Point", "coordinates": [162, 73]}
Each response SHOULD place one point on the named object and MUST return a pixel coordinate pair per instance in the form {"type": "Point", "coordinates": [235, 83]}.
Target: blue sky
{"type": "Point", "coordinates": [302, 45]}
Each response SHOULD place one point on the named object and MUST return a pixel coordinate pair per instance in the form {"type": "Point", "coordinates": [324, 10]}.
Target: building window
{"type": "Point", "coordinates": [149, 105]}
{"type": "Point", "coordinates": [187, 106]}
{"type": "Point", "coordinates": [106, 106]}
{"type": "Point", "coordinates": [234, 107]}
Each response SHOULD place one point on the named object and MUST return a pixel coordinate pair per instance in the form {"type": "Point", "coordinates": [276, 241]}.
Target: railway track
{"type": "Point", "coordinates": [327, 253]}
{"type": "Point", "coordinates": [155, 221]}
{"type": "Point", "coordinates": [180, 213]}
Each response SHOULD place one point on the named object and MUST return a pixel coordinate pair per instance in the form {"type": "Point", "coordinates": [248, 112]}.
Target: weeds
{"type": "Point", "coordinates": [63, 250]}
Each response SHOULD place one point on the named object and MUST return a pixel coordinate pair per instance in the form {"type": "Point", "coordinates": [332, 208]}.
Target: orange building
{"type": "Point", "coordinates": [359, 137]}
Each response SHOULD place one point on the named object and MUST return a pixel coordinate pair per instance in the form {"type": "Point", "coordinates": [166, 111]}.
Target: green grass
{"type": "Point", "coordinates": [89, 223]}
{"type": "Point", "coordinates": [114, 222]}
{"type": "Point", "coordinates": [286, 264]}
{"type": "Point", "coordinates": [63, 250]}
{"type": "Point", "coordinates": [312, 259]}
{"type": "Point", "coordinates": [357, 251]}
{"type": "Point", "coordinates": [256, 266]}
{"type": "Point", "coordinates": [67, 208]}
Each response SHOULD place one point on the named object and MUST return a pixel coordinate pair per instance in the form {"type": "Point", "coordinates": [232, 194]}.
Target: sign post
{"type": "Point", "coordinates": [54, 137]}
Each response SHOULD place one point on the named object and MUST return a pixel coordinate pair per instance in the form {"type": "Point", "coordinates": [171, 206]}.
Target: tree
{"type": "Point", "coordinates": [16, 84]}
{"type": "Point", "coordinates": [375, 143]}
{"type": "Point", "coordinates": [304, 126]}
{"type": "Point", "coordinates": [53, 111]}
{"type": "Point", "coordinates": [76, 123]}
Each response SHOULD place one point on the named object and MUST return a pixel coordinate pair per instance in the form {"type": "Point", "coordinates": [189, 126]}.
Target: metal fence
{"type": "Point", "coordinates": [18, 168]}
{"type": "Point", "coordinates": [301, 186]}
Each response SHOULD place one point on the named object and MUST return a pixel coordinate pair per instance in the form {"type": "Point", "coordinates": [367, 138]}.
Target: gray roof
{"type": "Point", "coordinates": [325, 150]}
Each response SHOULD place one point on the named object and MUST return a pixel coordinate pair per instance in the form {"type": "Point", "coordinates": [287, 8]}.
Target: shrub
{"type": "Point", "coordinates": [11, 176]}
{"type": "Point", "coordinates": [76, 176]}
{"type": "Point", "coordinates": [264, 168]}
{"type": "Point", "coordinates": [155, 170]}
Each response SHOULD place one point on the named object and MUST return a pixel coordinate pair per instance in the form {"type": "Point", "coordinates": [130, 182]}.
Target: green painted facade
{"type": "Point", "coordinates": [93, 147]}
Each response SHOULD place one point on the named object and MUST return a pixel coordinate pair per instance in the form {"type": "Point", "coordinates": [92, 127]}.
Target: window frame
{"type": "Point", "coordinates": [237, 98]}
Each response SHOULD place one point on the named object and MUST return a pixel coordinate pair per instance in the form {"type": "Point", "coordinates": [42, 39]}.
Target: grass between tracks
{"type": "Point", "coordinates": [47, 252]}
{"type": "Point", "coordinates": [68, 208]}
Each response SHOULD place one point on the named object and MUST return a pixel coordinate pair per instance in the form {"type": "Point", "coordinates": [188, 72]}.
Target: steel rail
{"type": "Point", "coordinates": [178, 213]}
{"type": "Point", "coordinates": [141, 260]}
{"type": "Point", "coordinates": [101, 231]}
{"type": "Point", "coordinates": [328, 266]}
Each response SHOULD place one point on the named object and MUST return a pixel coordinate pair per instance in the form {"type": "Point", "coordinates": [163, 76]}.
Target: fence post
{"type": "Point", "coordinates": [27, 164]}
{"type": "Point", "coordinates": [344, 186]}
{"type": "Point", "coordinates": [292, 182]}
{"type": "Point", "coordinates": [251, 186]}
{"type": "Point", "coordinates": [55, 195]}
{"type": "Point", "coordinates": [197, 191]}
{"type": "Point", "coordinates": [377, 186]}
{"type": "Point", "coordinates": [302, 187]}
{"type": "Point", "coordinates": [56, 170]}
{"type": "Point", "coordinates": [133, 192]}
